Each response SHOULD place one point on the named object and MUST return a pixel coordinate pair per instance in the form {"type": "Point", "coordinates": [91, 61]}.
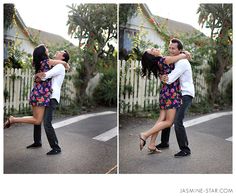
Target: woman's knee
{"type": "Point", "coordinates": [169, 123]}
{"type": "Point", "coordinates": [38, 122]}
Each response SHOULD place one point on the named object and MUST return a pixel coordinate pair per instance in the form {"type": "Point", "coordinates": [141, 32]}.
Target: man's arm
{"type": "Point", "coordinates": [56, 70]}
{"type": "Point", "coordinates": [179, 69]}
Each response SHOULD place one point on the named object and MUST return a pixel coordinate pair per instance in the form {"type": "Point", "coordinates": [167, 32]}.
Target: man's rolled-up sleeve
{"type": "Point", "coordinates": [176, 73]}
{"type": "Point", "coordinates": [56, 70]}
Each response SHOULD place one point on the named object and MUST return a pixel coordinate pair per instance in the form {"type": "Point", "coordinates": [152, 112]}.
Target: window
{"type": "Point", "coordinates": [7, 43]}
{"type": "Point", "coordinates": [128, 35]}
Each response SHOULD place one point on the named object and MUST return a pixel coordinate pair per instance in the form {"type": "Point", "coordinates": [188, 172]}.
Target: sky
{"type": "Point", "coordinates": [52, 16]}
{"type": "Point", "coordinates": [181, 11]}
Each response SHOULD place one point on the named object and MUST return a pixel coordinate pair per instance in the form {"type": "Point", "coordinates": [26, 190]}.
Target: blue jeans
{"type": "Point", "coordinates": [180, 131]}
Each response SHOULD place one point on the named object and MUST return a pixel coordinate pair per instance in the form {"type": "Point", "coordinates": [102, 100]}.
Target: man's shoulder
{"type": "Point", "coordinates": [182, 61]}
{"type": "Point", "coordinates": [59, 66]}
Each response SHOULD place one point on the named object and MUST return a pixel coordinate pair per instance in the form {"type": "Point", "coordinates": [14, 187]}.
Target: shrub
{"type": "Point", "coordinates": [105, 93]}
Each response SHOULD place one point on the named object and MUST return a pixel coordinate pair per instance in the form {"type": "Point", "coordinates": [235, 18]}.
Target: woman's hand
{"type": "Point", "coordinates": [67, 67]}
{"type": "Point", "coordinates": [188, 54]}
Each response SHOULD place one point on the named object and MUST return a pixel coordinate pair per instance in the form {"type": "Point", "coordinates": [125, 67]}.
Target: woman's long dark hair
{"type": "Point", "coordinates": [149, 65]}
{"type": "Point", "coordinates": [39, 55]}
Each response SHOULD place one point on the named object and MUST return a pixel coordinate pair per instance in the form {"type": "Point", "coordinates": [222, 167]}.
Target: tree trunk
{"type": "Point", "coordinates": [89, 70]}
{"type": "Point", "coordinates": [223, 62]}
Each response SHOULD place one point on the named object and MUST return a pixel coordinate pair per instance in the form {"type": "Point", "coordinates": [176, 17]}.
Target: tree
{"type": "Point", "coordinates": [218, 17]}
{"type": "Point", "coordinates": [126, 11]}
{"type": "Point", "coordinates": [95, 25]}
{"type": "Point", "coordinates": [9, 12]}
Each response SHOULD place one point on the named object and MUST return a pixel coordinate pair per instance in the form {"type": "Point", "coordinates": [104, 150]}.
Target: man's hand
{"type": "Point", "coordinates": [37, 79]}
{"type": "Point", "coordinates": [40, 76]}
{"type": "Point", "coordinates": [164, 78]}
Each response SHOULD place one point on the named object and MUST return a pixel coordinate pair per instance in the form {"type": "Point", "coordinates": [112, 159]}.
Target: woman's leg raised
{"type": "Point", "coordinates": [36, 119]}
{"type": "Point", "coordinates": [170, 116]}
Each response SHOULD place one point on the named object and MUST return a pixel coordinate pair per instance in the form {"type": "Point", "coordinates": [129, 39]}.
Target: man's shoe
{"type": "Point", "coordinates": [182, 154]}
{"type": "Point", "coordinates": [54, 151]}
{"type": "Point", "coordinates": [34, 145]}
{"type": "Point", "coordinates": [162, 146]}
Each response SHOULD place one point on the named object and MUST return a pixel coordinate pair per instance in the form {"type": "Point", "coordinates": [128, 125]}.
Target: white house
{"type": "Point", "coordinates": [133, 26]}
{"type": "Point", "coordinates": [18, 33]}
{"type": "Point", "coordinates": [150, 24]}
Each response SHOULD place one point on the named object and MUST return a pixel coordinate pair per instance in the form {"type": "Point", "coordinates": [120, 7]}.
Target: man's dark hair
{"type": "Point", "coordinates": [66, 56]}
{"type": "Point", "coordinates": [178, 42]}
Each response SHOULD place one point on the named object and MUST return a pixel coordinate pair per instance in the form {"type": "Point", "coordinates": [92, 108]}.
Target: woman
{"type": "Point", "coordinates": [41, 92]}
{"type": "Point", "coordinates": [170, 94]}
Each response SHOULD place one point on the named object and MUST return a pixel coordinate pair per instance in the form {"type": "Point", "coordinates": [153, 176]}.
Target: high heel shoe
{"type": "Point", "coordinates": [142, 142]}
{"type": "Point", "coordinates": [152, 150]}
{"type": "Point", "coordinates": [7, 124]}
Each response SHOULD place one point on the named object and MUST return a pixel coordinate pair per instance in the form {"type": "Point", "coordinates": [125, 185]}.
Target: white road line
{"type": "Point", "coordinates": [205, 118]}
{"type": "Point", "coordinates": [112, 169]}
{"type": "Point", "coordinates": [79, 118]}
{"type": "Point", "coordinates": [107, 135]}
{"type": "Point", "coordinates": [230, 139]}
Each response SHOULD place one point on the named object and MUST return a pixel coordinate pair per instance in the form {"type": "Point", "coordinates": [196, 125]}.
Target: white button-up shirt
{"type": "Point", "coordinates": [183, 71]}
{"type": "Point", "coordinates": [57, 73]}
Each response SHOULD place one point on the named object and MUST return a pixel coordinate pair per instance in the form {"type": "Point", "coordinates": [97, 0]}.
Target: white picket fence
{"type": "Point", "coordinates": [18, 84]}
{"type": "Point", "coordinates": [137, 93]}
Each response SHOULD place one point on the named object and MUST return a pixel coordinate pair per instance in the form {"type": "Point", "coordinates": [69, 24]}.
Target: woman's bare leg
{"type": "Point", "coordinates": [36, 119]}
{"type": "Point", "coordinates": [170, 116]}
{"type": "Point", "coordinates": [162, 116]}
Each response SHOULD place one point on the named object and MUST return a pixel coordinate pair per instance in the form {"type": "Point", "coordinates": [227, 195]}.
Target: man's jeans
{"type": "Point", "coordinates": [37, 134]}
{"type": "Point", "coordinates": [50, 132]}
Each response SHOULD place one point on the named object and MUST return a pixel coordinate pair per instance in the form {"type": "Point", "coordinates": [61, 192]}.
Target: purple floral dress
{"type": "Point", "coordinates": [170, 94]}
{"type": "Point", "coordinates": [41, 92]}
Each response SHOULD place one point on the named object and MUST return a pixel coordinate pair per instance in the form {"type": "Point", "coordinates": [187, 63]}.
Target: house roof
{"type": "Point", "coordinates": [175, 27]}
{"type": "Point", "coordinates": [172, 26]}
{"type": "Point", "coordinates": [23, 26]}
{"type": "Point", "coordinates": [39, 36]}
{"type": "Point", "coordinates": [48, 38]}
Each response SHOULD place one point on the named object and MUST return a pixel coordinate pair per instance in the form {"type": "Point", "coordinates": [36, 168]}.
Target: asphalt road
{"type": "Point", "coordinates": [210, 142]}
{"type": "Point", "coordinates": [85, 150]}
{"type": "Point", "coordinates": [82, 151]}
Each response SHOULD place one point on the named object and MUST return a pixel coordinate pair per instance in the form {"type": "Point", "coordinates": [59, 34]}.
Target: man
{"type": "Point", "coordinates": [183, 71]}
{"type": "Point", "coordinates": [57, 73]}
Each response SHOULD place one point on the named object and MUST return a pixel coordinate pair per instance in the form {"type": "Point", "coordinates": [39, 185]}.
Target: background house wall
{"type": "Point", "coordinates": [17, 34]}
{"type": "Point", "coordinates": [141, 21]}
{"type": "Point", "coordinates": [20, 34]}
